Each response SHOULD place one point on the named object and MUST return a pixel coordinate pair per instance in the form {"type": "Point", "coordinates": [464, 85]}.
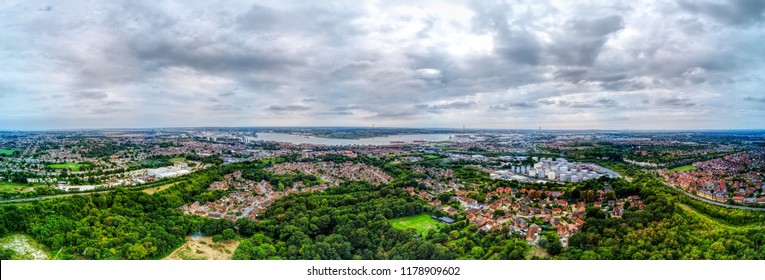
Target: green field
{"type": "Point", "coordinates": [8, 187]}
{"type": "Point", "coordinates": [6, 152]}
{"type": "Point", "coordinates": [421, 223]}
{"type": "Point", "coordinates": [178, 159]}
{"type": "Point", "coordinates": [69, 165]}
{"type": "Point", "coordinates": [684, 168]}
{"type": "Point", "coordinates": [157, 189]}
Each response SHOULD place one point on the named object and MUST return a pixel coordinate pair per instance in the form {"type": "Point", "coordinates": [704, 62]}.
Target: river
{"type": "Point", "coordinates": [385, 140]}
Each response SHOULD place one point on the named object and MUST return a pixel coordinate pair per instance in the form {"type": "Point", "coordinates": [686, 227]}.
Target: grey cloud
{"type": "Point", "coordinates": [446, 106]}
{"type": "Point", "coordinates": [520, 46]}
{"type": "Point", "coordinates": [611, 77]}
{"type": "Point", "coordinates": [597, 27]}
{"type": "Point", "coordinates": [583, 40]}
{"type": "Point", "coordinates": [675, 101]}
{"type": "Point", "coordinates": [755, 99]}
{"type": "Point", "coordinates": [90, 95]}
{"type": "Point", "coordinates": [113, 103]}
{"type": "Point", "coordinates": [691, 26]}
{"type": "Point", "coordinates": [223, 107]}
{"type": "Point", "coordinates": [736, 12]}
{"type": "Point", "coordinates": [227, 94]}
{"type": "Point", "coordinates": [109, 111]}
{"type": "Point", "coordinates": [258, 18]}
{"type": "Point", "coordinates": [288, 108]}
{"type": "Point", "coordinates": [210, 57]}
{"type": "Point", "coordinates": [395, 114]}
{"type": "Point", "coordinates": [624, 85]}
{"type": "Point", "coordinates": [516, 105]}
{"type": "Point", "coordinates": [353, 69]}
{"type": "Point", "coordinates": [573, 75]}
{"type": "Point", "coordinates": [607, 102]}
{"type": "Point", "coordinates": [516, 44]}
{"type": "Point", "coordinates": [338, 113]}
{"type": "Point", "coordinates": [546, 102]}
{"type": "Point", "coordinates": [347, 107]}
{"type": "Point", "coordinates": [597, 103]}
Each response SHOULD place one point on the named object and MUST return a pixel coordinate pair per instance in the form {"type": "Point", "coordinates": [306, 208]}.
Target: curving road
{"type": "Point", "coordinates": [713, 202]}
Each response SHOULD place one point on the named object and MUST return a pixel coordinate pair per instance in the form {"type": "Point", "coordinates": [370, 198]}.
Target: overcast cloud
{"type": "Point", "coordinates": [486, 64]}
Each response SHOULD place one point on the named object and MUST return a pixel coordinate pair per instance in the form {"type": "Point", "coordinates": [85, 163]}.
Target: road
{"type": "Point", "coordinates": [714, 202]}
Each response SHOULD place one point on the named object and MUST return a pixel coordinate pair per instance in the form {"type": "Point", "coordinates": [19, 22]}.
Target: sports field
{"type": "Point", "coordinates": [421, 223]}
{"type": "Point", "coordinates": [684, 168]}
{"type": "Point", "coordinates": [69, 165]}
{"type": "Point", "coordinates": [8, 187]}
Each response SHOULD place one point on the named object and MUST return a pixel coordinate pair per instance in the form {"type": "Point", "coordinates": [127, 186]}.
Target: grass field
{"type": "Point", "coordinates": [69, 165]}
{"type": "Point", "coordinates": [8, 187]}
{"type": "Point", "coordinates": [202, 248]}
{"type": "Point", "coordinates": [6, 152]}
{"type": "Point", "coordinates": [421, 223]}
{"type": "Point", "coordinates": [157, 189]}
{"type": "Point", "coordinates": [684, 168]}
{"type": "Point", "coordinates": [536, 251]}
{"type": "Point", "coordinates": [178, 159]}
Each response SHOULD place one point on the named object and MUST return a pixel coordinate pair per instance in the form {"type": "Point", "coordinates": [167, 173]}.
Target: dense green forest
{"type": "Point", "coordinates": [672, 226]}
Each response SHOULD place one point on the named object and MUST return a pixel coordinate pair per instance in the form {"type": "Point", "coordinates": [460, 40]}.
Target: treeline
{"type": "Point", "coordinates": [105, 149]}
{"type": "Point", "coordinates": [213, 159]}
{"type": "Point", "coordinates": [467, 242]}
{"type": "Point", "coordinates": [152, 162]}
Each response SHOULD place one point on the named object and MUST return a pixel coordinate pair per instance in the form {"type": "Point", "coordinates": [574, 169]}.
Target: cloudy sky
{"type": "Point", "coordinates": [488, 64]}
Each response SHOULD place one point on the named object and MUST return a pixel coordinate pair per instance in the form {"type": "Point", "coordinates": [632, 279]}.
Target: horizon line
{"type": "Point", "coordinates": [378, 127]}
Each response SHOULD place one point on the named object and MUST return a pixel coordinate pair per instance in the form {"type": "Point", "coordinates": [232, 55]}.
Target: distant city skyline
{"type": "Point", "coordinates": [606, 65]}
